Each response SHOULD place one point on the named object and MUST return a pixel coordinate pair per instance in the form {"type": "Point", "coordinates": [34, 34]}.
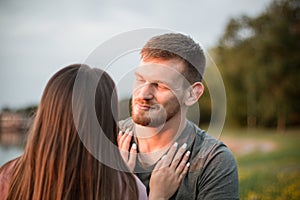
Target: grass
{"type": "Point", "coordinates": [274, 174]}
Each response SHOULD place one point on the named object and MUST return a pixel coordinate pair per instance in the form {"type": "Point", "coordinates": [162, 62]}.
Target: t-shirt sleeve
{"type": "Point", "coordinates": [219, 177]}
{"type": "Point", "coordinates": [141, 188]}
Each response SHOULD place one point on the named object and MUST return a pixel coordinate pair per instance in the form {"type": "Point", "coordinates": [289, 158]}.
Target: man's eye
{"type": "Point", "coordinates": [139, 80]}
{"type": "Point", "coordinates": [162, 86]}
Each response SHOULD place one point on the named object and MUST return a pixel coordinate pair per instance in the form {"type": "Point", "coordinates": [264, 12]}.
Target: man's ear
{"type": "Point", "coordinates": [193, 93]}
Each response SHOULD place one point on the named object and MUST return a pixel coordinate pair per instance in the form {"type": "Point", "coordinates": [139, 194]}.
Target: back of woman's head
{"type": "Point", "coordinates": [65, 151]}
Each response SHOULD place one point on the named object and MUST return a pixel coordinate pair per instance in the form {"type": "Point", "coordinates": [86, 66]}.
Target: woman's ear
{"type": "Point", "coordinates": [193, 93]}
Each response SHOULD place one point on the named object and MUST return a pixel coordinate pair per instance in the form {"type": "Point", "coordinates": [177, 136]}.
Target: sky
{"type": "Point", "coordinates": [37, 38]}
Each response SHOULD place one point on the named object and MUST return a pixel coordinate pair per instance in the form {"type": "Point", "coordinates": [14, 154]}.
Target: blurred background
{"type": "Point", "coordinates": [255, 45]}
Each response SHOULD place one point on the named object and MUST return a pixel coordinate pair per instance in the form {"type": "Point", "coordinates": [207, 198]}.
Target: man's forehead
{"type": "Point", "coordinates": [175, 64]}
{"type": "Point", "coordinates": [159, 73]}
{"type": "Point", "coordinates": [153, 68]}
{"type": "Point", "coordinates": [155, 72]}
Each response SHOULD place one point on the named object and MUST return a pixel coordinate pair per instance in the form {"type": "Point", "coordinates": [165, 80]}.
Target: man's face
{"type": "Point", "coordinates": [158, 92]}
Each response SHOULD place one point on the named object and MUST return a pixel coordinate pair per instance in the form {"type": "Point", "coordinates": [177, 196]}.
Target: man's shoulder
{"type": "Point", "coordinates": [202, 139]}
{"type": "Point", "coordinates": [213, 169]}
{"type": "Point", "coordinates": [126, 124]}
{"type": "Point", "coordinates": [206, 146]}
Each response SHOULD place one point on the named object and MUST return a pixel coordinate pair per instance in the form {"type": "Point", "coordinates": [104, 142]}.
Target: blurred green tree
{"type": "Point", "coordinates": [259, 59]}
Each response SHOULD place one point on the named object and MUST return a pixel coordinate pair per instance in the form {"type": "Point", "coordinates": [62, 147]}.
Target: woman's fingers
{"type": "Point", "coordinates": [132, 157]}
{"type": "Point", "coordinates": [178, 156]}
{"type": "Point", "coordinates": [184, 171]}
{"type": "Point", "coordinates": [127, 140]}
{"type": "Point", "coordinates": [159, 163]}
{"type": "Point", "coordinates": [128, 153]}
{"type": "Point", "coordinates": [119, 137]}
{"type": "Point", "coordinates": [183, 163]}
{"type": "Point", "coordinates": [174, 160]}
{"type": "Point", "coordinates": [124, 140]}
{"type": "Point", "coordinates": [169, 171]}
{"type": "Point", "coordinates": [170, 155]}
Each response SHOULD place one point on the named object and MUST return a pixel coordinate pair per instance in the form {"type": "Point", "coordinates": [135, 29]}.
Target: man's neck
{"type": "Point", "coordinates": [153, 139]}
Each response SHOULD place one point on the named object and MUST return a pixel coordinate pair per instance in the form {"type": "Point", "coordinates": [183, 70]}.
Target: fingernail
{"type": "Point", "coordinates": [130, 133]}
{"type": "Point", "coordinates": [134, 146]}
{"type": "Point", "coordinates": [127, 130]}
{"type": "Point", "coordinates": [187, 153]}
{"type": "Point", "coordinates": [164, 157]}
{"type": "Point", "coordinates": [184, 145]}
{"type": "Point", "coordinates": [175, 144]}
{"type": "Point", "coordinates": [188, 164]}
{"type": "Point", "coordinates": [120, 132]}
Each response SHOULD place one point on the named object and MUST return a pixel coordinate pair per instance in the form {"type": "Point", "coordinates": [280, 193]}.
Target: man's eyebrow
{"type": "Point", "coordinates": [160, 81]}
{"type": "Point", "coordinates": [153, 81]}
{"type": "Point", "coordinates": [137, 74]}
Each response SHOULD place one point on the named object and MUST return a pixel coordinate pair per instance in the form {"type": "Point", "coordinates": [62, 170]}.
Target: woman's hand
{"type": "Point", "coordinates": [168, 173]}
{"type": "Point", "coordinates": [128, 154]}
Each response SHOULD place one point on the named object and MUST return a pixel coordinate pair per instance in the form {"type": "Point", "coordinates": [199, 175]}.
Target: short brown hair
{"type": "Point", "coordinates": [175, 45]}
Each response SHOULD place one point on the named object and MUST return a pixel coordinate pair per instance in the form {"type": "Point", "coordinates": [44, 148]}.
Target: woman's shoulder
{"type": "Point", "coordinates": [142, 189]}
{"type": "Point", "coordinates": [5, 175]}
{"type": "Point", "coordinates": [6, 169]}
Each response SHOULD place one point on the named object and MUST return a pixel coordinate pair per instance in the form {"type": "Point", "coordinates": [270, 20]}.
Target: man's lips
{"type": "Point", "coordinates": [143, 106]}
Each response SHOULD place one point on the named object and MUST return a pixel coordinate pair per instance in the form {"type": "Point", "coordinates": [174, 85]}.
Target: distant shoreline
{"type": "Point", "coordinates": [9, 152]}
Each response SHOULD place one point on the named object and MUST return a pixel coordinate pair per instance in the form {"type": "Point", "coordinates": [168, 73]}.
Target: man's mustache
{"type": "Point", "coordinates": [144, 102]}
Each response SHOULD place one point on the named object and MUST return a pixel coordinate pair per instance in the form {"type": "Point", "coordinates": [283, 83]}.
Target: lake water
{"type": "Point", "coordinates": [8, 153]}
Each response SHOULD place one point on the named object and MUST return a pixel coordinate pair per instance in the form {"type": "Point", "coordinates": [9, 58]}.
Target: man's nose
{"type": "Point", "coordinates": [145, 91]}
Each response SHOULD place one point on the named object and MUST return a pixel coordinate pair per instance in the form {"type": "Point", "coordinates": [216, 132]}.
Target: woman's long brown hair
{"type": "Point", "coordinates": [56, 164]}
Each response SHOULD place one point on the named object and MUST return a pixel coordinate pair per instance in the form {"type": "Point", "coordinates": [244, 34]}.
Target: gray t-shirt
{"type": "Point", "coordinates": [213, 171]}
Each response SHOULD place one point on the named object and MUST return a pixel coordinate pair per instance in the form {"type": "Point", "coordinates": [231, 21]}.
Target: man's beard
{"type": "Point", "coordinates": [156, 115]}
